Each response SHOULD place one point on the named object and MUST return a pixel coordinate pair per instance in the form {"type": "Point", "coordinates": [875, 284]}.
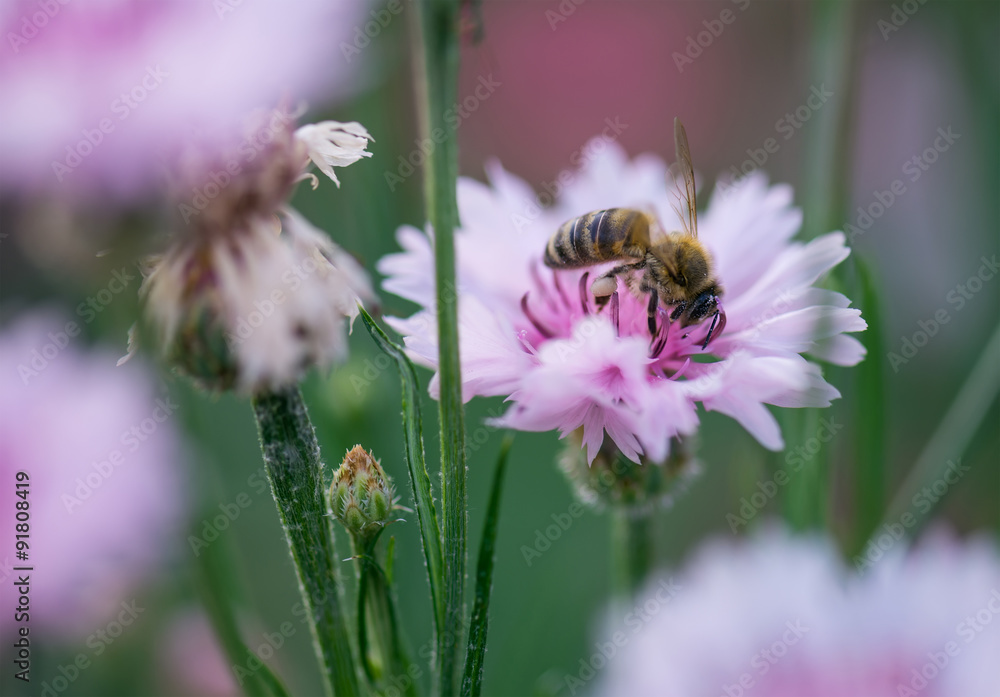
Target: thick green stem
{"type": "Point", "coordinates": [437, 89]}
{"type": "Point", "coordinates": [632, 552]}
{"type": "Point", "coordinates": [292, 460]}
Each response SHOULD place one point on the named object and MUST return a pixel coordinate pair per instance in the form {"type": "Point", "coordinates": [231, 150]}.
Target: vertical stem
{"type": "Point", "coordinates": [294, 470]}
{"type": "Point", "coordinates": [375, 599]}
{"type": "Point", "coordinates": [631, 541]}
{"type": "Point", "coordinates": [437, 91]}
{"type": "Point", "coordinates": [869, 475]}
{"type": "Point", "coordinates": [826, 198]}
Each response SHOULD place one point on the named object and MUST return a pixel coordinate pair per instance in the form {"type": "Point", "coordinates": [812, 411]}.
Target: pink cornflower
{"type": "Point", "coordinates": [98, 95]}
{"type": "Point", "coordinates": [101, 456]}
{"type": "Point", "coordinates": [536, 335]}
{"type": "Point", "coordinates": [780, 616]}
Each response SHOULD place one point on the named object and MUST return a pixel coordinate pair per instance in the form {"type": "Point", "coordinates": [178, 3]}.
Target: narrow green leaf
{"type": "Point", "coordinates": [869, 413]}
{"type": "Point", "coordinates": [420, 482]}
{"type": "Point", "coordinates": [472, 681]}
{"type": "Point", "coordinates": [295, 473]}
{"type": "Point", "coordinates": [953, 434]}
{"type": "Point", "coordinates": [215, 583]}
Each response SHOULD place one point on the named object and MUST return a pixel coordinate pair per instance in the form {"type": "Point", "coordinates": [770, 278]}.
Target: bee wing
{"type": "Point", "coordinates": [690, 220]}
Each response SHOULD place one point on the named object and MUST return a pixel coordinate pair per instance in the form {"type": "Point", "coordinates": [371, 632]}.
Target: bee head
{"type": "Point", "coordinates": [683, 267]}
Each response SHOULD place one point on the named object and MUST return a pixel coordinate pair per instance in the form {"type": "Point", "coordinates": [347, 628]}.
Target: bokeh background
{"type": "Point", "coordinates": [559, 70]}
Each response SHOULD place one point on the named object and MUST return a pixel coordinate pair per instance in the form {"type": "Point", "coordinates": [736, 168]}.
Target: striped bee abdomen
{"type": "Point", "coordinates": [615, 233]}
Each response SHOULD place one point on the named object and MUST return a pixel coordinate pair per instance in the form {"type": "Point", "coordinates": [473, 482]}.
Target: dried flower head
{"type": "Point", "coordinates": [250, 294]}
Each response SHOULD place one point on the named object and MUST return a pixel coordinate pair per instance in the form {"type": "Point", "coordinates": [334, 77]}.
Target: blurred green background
{"type": "Point", "coordinates": [559, 79]}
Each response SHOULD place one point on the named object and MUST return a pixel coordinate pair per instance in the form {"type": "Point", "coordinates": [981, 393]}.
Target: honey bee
{"type": "Point", "coordinates": [676, 270]}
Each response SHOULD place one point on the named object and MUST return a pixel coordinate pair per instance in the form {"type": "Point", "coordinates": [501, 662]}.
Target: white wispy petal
{"type": "Point", "coordinates": [334, 144]}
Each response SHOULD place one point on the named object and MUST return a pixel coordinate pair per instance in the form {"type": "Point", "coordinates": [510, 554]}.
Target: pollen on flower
{"type": "Point", "coordinates": [602, 358]}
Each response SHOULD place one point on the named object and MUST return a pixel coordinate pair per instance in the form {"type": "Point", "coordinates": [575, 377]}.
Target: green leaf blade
{"type": "Point", "coordinates": [472, 681]}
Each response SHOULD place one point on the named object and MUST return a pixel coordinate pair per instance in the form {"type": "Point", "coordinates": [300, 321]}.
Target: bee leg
{"type": "Point", "coordinates": [678, 311]}
{"type": "Point", "coordinates": [720, 318]}
{"type": "Point", "coordinates": [651, 313]}
{"type": "Point", "coordinates": [583, 292]}
{"type": "Point", "coordinates": [615, 312]}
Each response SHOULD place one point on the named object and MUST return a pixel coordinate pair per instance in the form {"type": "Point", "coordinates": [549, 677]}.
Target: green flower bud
{"type": "Point", "coordinates": [613, 480]}
{"type": "Point", "coordinates": [362, 495]}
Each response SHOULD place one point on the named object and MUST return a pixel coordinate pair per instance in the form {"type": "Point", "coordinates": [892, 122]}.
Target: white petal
{"type": "Point", "coordinates": [334, 144]}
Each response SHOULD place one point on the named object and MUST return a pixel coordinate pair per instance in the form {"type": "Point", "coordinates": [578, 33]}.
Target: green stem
{"type": "Point", "coordinates": [826, 195]}
{"type": "Point", "coordinates": [437, 92]}
{"type": "Point", "coordinates": [869, 378]}
{"type": "Point", "coordinates": [295, 472]}
{"type": "Point", "coordinates": [377, 610]}
{"type": "Point", "coordinates": [956, 429]}
{"type": "Point", "coordinates": [632, 552]}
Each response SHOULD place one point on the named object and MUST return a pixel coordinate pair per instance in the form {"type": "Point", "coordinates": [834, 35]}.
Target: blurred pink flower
{"type": "Point", "coordinates": [96, 94]}
{"type": "Point", "coordinates": [191, 660]}
{"type": "Point", "coordinates": [534, 334]}
{"type": "Point", "coordinates": [105, 493]}
{"type": "Point", "coordinates": [781, 617]}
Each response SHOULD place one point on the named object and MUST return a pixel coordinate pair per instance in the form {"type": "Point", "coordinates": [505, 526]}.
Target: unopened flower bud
{"type": "Point", "coordinates": [361, 494]}
{"type": "Point", "coordinates": [613, 480]}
